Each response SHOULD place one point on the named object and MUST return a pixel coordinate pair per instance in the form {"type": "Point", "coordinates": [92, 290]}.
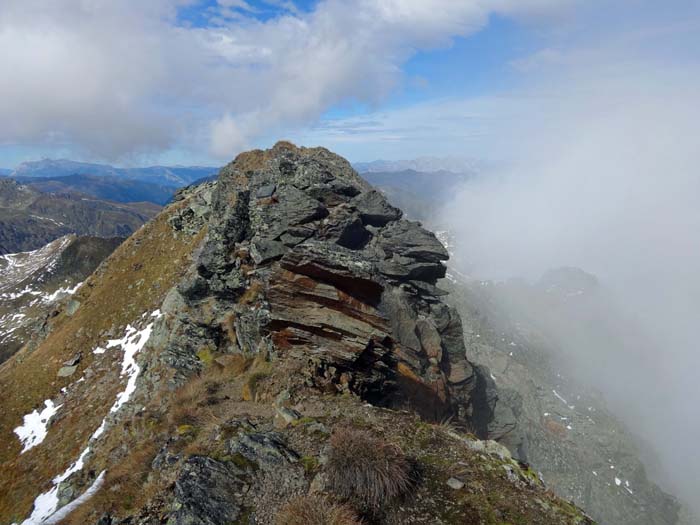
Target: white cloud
{"type": "Point", "coordinates": [541, 59]}
{"type": "Point", "coordinates": [226, 136]}
{"type": "Point", "coordinates": [123, 77]}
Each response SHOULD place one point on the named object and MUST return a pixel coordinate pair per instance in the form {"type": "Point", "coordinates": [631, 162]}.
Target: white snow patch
{"type": "Point", "coordinates": [559, 397]}
{"type": "Point", "coordinates": [34, 430]}
{"type": "Point", "coordinates": [618, 481]}
{"type": "Point", "coordinates": [45, 504]}
{"type": "Point", "coordinates": [131, 343]}
{"type": "Point", "coordinates": [61, 292]}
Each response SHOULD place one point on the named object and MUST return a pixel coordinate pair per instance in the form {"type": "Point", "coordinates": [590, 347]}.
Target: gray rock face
{"type": "Point", "coordinates": [374, 209]}
{"type": "Point", "coordinates": [67, 371]}
{"type": "Point", "coordinates": [264, 449]}
{"type": "Point", "coordinates": [339, 275]}
{"type": "Point", "coordinates": [203, 493]}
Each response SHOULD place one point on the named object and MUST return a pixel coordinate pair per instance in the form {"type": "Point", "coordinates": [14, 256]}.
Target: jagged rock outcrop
{"type": "Point", "coordinates": [342, 281]}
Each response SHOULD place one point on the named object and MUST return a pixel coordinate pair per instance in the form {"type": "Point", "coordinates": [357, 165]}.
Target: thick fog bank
{"type": "Point", "coordinates": [606, 177]}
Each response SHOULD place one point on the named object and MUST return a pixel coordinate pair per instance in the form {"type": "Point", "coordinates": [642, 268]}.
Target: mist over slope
{"type": "Point", "coordinates": [606, 178]}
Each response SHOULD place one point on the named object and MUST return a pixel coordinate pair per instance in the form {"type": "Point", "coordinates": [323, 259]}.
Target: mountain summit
{"type": "Point", "coordinates": [271, 348]}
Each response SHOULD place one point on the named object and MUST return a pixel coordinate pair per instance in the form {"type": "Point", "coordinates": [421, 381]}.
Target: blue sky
{"type": "Point", "coordinates": [195, 82]}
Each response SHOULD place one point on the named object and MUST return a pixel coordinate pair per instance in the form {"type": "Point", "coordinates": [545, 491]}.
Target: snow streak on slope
{"type": "Point", "coordinates": [45, 505]}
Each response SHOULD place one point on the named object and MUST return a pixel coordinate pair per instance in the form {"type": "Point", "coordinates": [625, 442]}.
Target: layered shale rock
{"type": "Point", "coordinates": [304, 260]}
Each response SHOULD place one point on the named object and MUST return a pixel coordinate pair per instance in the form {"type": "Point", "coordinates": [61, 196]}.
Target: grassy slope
{"type": "Point", "coordinates": [132, 281]}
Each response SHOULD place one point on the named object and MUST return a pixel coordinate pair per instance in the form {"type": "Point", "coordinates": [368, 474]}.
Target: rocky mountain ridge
{"type": "Point", "coordinates": [234, 345]}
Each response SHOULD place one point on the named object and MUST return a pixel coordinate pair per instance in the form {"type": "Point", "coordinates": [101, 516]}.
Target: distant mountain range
{"type": "Point", "coordinates": [422, 164]}
{"type": "Point", "coordinates": [4, 172]}
{"type": "Point", "coordinates": [162, 175]}
{"type": "Point", "coordinates": [103, 187]}
{"type": "Point", "coordinates": [29, 219]}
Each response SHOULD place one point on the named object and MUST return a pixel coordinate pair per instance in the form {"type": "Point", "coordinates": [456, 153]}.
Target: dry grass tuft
{"type": "Point", "coordinates": [229, 327]}
{"type": "Point", "coordinates": [191, 400]}
{"type": "Point", "coordinates": [366, 469]}
{"type": "Point", "coordinates": [259, 371]}
{"type": "Point", "coordinates": [447, 426]}
{"type": "Point", "coordinates": [316, 510]}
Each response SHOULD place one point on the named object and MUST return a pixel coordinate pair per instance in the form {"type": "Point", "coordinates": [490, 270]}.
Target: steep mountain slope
{"type": "Point", "coordinates": [30, 219]}
{"type": "Point", "coordinates": [115, 189]}
{"type": "Point", "coordinates": [560, 425]}
{"type": "Point", "coordinates": [163, 175]}
{"type": "Point", "coordinates": [238, 347]}
{"type": "Point", "coordinates": [33, 283]}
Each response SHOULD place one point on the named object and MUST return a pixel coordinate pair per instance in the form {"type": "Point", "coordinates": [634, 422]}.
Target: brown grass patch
{"type": "Point", "coordinates": [316, 510]}
{"type": "Point", "coordinates": [554, 428]}
{"type": "Point", "coordinates": [258, 372]}
{"type": "Point", "coordinates": [366, 469]}
{"type": "Point", "coordinates": [228, 325]}
{"type": "Point", "coordinates": [126, 488]}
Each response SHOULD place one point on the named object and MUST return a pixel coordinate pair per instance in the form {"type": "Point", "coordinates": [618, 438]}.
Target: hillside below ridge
{"type": "Point", "coordinates": [231, 345]}
{"type": "Point", "coordinates": [33, 284]}
{"type": "Point", "coordinates": [30, 219]}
